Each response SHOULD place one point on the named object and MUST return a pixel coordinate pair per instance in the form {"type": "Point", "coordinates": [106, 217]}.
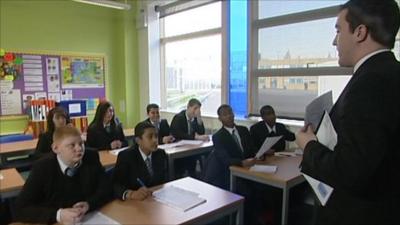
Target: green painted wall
{"type": "Point", "coordinates": [67, 26]}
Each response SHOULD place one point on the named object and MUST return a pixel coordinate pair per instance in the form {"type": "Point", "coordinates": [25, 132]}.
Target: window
{"type": "Point", "coordinates": [295, 60]}
{"type": "Point", "coordinates": [191, 58]}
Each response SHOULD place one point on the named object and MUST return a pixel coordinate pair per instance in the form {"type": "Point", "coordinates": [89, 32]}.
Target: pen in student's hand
{"type": "Point", "coordinates": [140, 182]}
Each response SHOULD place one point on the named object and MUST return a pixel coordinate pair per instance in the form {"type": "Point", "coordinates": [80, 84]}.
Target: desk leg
{"type": "Point", "coordinates": [171, 168]}
{"type": "Point", "coordinates": [239, 215]}
{"type": "Point", "coordinates": [285, 204]}
{"type": "Point", "coordinates": [232, 182]}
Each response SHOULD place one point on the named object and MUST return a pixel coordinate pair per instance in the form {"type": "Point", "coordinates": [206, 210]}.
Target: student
{"type": "Point", "coordinates": [232, 146]}
{"type": "Point", "coordinates": [64, 186]}
{"type": "Point", "coordinates": [188, 125]}
{"type": "Point", "coordinates": [105, 132]}
{"type": "Point", "coordinates": [56, 118]}
{"type": "Point", "coordinates": [364, 167]}
{"type": "Point", "coordinates": [162, 126]}
{"type": "Point", "coordinates": [140, 166]}
{"type": "Point", "coordinates": [268, 127]}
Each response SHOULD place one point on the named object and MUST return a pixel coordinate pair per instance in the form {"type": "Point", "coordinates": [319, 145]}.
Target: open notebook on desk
{"type": "Point", "coordinates": [178, 198]}
{"type": "Point", "coordinates": [95, 218]}
{"type": "Point", "coordinates": [180, 143]}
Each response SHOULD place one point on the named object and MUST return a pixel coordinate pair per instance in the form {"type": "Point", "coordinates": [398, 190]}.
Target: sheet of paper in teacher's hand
{"type": "Point", "coordinates": [315, 109]}
{"type": "Point", "coordinates": [267, 145]}
{"type": "Point", "coordinates": [323, 191]}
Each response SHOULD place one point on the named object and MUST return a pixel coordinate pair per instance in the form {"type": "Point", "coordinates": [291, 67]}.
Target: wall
{"type": "Point", "coordinates": [68, 26]}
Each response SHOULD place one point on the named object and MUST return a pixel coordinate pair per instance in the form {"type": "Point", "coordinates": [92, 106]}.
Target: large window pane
{"type": "Point", "coordinates": [197, 19]}
{"type": "Point", "coordinates": [307, 44]}
{"type": "Point", "coordinates": [290, 95]}
{"type": "Point", "coordinates": [193, 70]}
{"type": "Point", "coordinates": [271, 8]}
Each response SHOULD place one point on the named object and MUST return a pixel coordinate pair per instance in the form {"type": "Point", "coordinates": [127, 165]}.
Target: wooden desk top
{"type": "Point", "coordinates": [185, 148]}
{"type": "Point", "coordinates": [11, 181]}
{"type": "Point", "coordinates": [129, 132]}
{"type": "Point", "coordinates": [107, 159]}
{"type": "Point", "coordinates": [18, 146]}
{"type": "Point", "coordinates": [151, 211]}
{"type": "Point", "coordinates": [287, 171]}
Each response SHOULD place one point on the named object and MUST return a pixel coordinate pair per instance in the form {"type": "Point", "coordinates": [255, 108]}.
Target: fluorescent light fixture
{"type": "Point", "coordinates": [106, 3]}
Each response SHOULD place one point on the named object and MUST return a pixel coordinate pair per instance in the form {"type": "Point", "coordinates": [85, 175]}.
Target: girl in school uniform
{"type": "Point", "coordinates": [56, 118]}
{"type": "Point", "coordinates": [105, 131]}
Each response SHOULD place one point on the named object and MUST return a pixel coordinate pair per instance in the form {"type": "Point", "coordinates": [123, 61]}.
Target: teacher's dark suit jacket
{"type": "Point", "coordinates": [227, 153]}
{"type": "Point", "coordinates": [163, 129]}
{"type": "Point", "coordinates": [259, 132]}
{"type": "Point", "coordinates": [364, 166]}
{"type": "Point", "coordinates": [47, 189]}
{"type": "Point", "coordinates": [130, 166]}
{"type": "Point", "coordinates": [98, 137]}
{"type": "Point", "coordinates": [179, 127]}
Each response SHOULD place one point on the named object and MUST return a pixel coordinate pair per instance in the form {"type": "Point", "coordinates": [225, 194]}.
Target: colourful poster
{"type": "Point", "coordinates": [82, 72]}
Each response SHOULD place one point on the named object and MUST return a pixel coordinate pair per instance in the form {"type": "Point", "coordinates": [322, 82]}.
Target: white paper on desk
{"type": "Point", "coordinates": [178, 198]}
{"type": "Point", "coordinates": [118, 150]}
{"type": "Point", "coordinates": [268, 143]}
{"type": "Point", "coordinates": [96, 218]}
{"type": "Point", "coordinates": [170, 145]}
{"type": "Point", "coordinates": [190, 142]}
{"type": "Point", "coordinates": [327, 136]}
{"type": "Point", "coordinates": [316, 108]}
{"type": "Point", "coordinates": [286, 154]}
{"type": "Point", "coordinates": [263, 168]}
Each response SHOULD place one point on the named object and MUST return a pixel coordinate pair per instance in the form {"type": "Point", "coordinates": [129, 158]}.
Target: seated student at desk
{"type": "Point", "coordinates": [232, 146]}
{"type": "Point", "coordinates": [64, 186]}
{"type": "Point", "coordinates": [141, 166]}
{"type": "Point", "coordinates": [57, 117]}
{"type": "Point", "coordinates": [105, 131]}
{"type": "Point", "coordinates": [162, 126]}
{"type": "Point", "coordinates": [188, 125]}
{"type": "Point", "coordinates": [268, 127]}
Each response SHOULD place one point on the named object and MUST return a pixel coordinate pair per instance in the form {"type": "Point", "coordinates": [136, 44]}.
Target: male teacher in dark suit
{"type": "Point", "coordinates": [188, 125]}
{"type": "Point", "coordinates": [364, 167]}
{"type": "Point", "coordinates": [161, 125]}
{"type": "Point", "coordinates": [268, 127]}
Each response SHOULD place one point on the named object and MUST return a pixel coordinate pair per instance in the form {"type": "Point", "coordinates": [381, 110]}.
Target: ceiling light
{"type": "Point", "coordinates": [106, 3]}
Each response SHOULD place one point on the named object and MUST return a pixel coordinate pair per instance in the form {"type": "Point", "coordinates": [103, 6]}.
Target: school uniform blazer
{"type": "Point", "coordinates": [163, 130]}
{"type": "Point", "coordinates": [227, 153]}
{"type": "Point", "coordinates": [47, 189]}
{"type": "Point", "coordinates": [259, 132]}
{"type": "Point", "coordinates": [100, 139]}
{"type": "Point", "coordinates": [364, 166]}
{"type": "Point", "coordinates": [179, 127]}
{"type": "Point", "coordinates": [44, 144]}
{"type": "Point", "coordinates": [130, 166]}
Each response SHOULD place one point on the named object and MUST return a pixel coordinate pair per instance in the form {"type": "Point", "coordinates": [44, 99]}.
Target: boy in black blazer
{"type": "Point", "coordinates": [268, 127]}
{"type": "Point", "coordinates": [141, 166]}
{"type": "Point", "coordinates": [64, 186]}
{"type": "Point", "coordinates": [188, 125]}
{"type": "Point", "coordinates": [162, 126]}
{"type": "Point", "coordinates": [232, 146]}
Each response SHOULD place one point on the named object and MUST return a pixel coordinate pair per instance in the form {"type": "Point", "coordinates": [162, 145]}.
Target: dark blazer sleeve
{"type": "Point", "coordinates": [44, 145]}
{"type": "Point", "coordinates": [364, 137]}
{"type": "Point", "coordinates": [257, 135]}
{"type": "Point", "coordinates": [199, 127]}
{"type": "Point", "coordinates": [249, 149]}
{"type": "Point", "coordinates": [121, 173]}
{"type": "Point", "coordinates": [179, 127]}
{"type": "Point", "coordinates": [287, 134]}
{"type": "Point", "coordinates": [120, 135]}
{"type": "Point", "coordinates": [102, 185]}
{"type": "Point", "coordinates": [99, 139]}
{"type": "Point", "coordinates": [29, 204]}
{"type": "Point", "coordinates": [164, 131]}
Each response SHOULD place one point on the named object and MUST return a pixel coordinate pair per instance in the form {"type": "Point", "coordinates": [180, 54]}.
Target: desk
{"type": "Point", "coordinates": [107, 159]}
{"type": "Point", "coordinates": [185, 151]}
{"type": "Point", "coordinates": [11, 184]}
{"type": "Point", "coordinates": [18, 146]}
{"type": "Point", "coordinates": [219, 204]}
{"type": "Point", "coordinates": [129, 132]}
{"type": "Point", "coordinates": [287, 176]}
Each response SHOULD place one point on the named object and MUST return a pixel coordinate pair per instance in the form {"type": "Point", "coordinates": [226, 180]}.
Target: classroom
{"type": "Point", "coordinates": [252, 80]}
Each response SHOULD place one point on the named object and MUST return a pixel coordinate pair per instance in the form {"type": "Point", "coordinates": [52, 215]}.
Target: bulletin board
{"type": "Point", "coordinates": [57, 76]}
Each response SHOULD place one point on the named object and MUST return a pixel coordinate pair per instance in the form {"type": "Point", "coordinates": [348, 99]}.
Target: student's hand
{"type": "Point", "coordinates": [304, 136]}
{"type": "Point", "coordinates": [69, 216]}
{"type": "Point", "coordinates": [140, 194]}
{"type": "Point", "coordinates": [203, 137]}
{"type": "Point", "coordinates": [248, 162]}
{"type": "Point", "coordinates": [83, 207]}
{"type": "Point", "coordinates": [168, 139]}
{"type": "Point", "coordinates": [116, 144]}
